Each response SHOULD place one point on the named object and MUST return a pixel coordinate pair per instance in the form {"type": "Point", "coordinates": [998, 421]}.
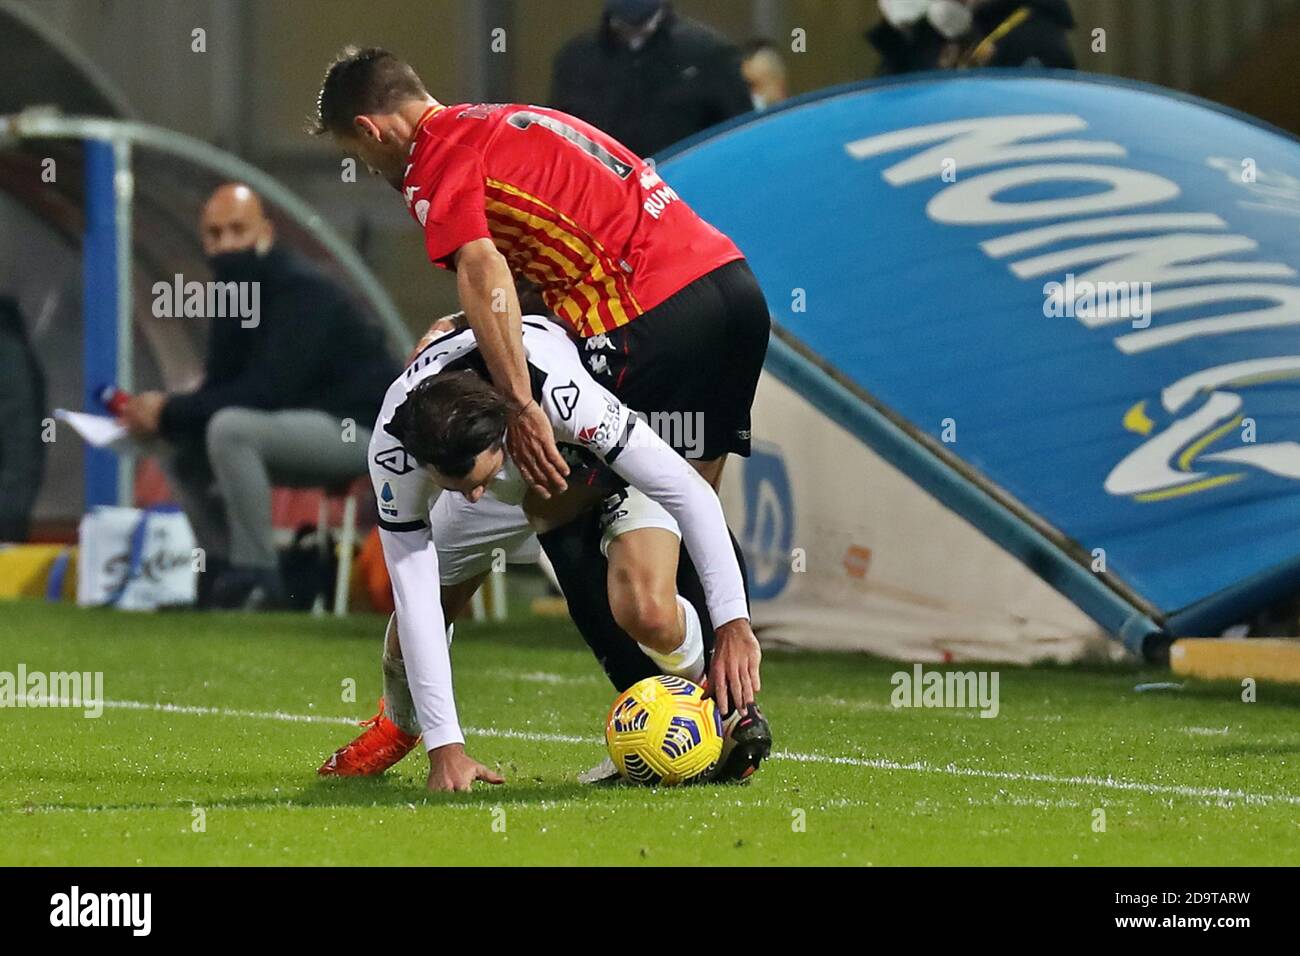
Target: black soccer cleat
{"type": "Point", "coordinates": [746, 742]}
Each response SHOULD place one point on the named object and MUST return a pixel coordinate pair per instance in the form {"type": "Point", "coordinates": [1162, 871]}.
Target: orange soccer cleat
{"type": "Point", "coordinates": [380, 746]}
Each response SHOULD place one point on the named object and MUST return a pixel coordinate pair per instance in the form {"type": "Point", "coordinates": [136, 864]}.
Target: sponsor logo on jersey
{"type": "Point", "coordinates": [606, 432]}
{"type": "Point", "coordinates": [395, 460]}
{"type": "Point", "coordinates": [565, 398]}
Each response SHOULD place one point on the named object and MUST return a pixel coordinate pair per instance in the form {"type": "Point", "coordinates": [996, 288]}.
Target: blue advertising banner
{"type": "Point", "coordinates": [1085, 292]}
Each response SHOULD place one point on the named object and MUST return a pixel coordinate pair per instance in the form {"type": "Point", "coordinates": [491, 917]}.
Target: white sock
{"type": "Point", "coordinates": [398, 705]}
{"type": "Point", "coordinates": [687, 659]}
{"type": "Point", "coordinates": [397, 691]}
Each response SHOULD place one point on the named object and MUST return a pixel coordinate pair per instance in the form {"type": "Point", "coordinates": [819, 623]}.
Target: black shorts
{"type": "Point", "coordinates": [691, 364]}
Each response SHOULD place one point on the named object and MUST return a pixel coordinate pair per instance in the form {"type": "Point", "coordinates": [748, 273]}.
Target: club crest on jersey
{"type": "Point", "coordinates": [395, 460]}
{"type": "Point", "coordinates": [566, 399]}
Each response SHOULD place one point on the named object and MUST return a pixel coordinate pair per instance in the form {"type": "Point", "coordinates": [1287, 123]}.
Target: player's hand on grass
{"type": "Point", "coordinates": [451, 769]}
{"type": "Point", "coordinates": [141, 412]}
{"type": "Point", "coordinates": [531, 443]}
{"type": "Point", "coordinates": [733, 675]}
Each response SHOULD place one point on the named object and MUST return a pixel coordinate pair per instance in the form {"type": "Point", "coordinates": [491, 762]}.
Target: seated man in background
{"type": "Point", "coordinates": [288, 397]}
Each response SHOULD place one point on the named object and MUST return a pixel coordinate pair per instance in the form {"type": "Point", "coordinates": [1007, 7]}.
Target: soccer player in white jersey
{"type": "Point", "coordinates": [438, 447]}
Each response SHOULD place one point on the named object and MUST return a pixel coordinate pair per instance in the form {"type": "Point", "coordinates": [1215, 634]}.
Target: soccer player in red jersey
{"type": "Point", "coordinates": [668, 316]}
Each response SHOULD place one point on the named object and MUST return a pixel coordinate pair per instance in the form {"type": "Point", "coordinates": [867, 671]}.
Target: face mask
{"type": "Point", "coordinates": [243, 265]}
{"type": "Point", "coordinates": [903, 13]}
{"type": "Point", "coordinates": [950, 18]}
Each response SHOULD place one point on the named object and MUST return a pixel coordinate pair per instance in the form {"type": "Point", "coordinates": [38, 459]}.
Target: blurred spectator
{"type": "Point", "coordinates": [763, 69]}
{"type": "Point", "coordinates": [916, 35]}
{"type": "Point", "coordinates": [22, 409]}
{"type": "Point", "coordinates": [290, 400]}
{"type": "Point", "coordinates": [649, 77]}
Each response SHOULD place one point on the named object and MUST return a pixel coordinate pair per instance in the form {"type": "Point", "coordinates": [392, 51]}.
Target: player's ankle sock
{"type": "Point", "coordinates": [398, 705]}
{"type": "Point", "coordinates": [687, 660]}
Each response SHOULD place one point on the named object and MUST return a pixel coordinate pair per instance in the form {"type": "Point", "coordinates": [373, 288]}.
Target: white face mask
{"type": "Point", "coordinates": [903, 13]}
{"type": "Point", "coordinates": [951, 18]}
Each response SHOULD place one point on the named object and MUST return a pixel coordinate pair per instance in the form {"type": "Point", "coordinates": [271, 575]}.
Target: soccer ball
{"type": "Point", "coordinates": [663, 731]}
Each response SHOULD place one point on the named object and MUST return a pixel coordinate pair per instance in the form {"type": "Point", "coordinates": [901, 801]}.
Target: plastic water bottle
{"type": "Point", "coordinates": [113, 398]}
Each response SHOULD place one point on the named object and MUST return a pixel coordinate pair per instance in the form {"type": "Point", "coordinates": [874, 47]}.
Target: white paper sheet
{"type": "Point", "coordinates": [100, 431]}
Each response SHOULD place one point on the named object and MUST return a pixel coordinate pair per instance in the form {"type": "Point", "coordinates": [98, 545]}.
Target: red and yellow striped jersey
{"type": "Point", "coordinates": [569, 207]}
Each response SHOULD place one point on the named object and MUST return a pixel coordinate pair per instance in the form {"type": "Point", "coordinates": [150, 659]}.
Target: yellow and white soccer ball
{"type": "Point", "coordinates": [663, 731]}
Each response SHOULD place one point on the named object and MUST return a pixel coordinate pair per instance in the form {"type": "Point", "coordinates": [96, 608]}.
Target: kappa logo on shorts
{"type": "Point", "coordinates": [566, 399]}
{"type": "Point", "coordinates": [395, 460]}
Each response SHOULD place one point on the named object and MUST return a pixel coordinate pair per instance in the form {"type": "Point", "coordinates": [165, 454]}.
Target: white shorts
{"type": "Point", "coordinates": [470, 537]}
{"type": "Point", "coordinates": [631, 510]}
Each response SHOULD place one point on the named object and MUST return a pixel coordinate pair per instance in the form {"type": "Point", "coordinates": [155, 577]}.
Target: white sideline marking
{"type": "Point", "coordinates": [540, 677]}
{"type": "Point", "coordinates": [872, 763]}
{"type": "Point", "coordinates": [35, 701]}
{"type": "Point", "coordinates": [1108, 783]}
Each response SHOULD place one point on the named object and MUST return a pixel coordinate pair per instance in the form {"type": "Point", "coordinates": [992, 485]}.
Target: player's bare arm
{"type": "Point", "coordinates": [487, 294]}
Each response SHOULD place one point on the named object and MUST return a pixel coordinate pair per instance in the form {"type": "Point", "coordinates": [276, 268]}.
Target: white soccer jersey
{"type": "Point", "coordinates": [582, 413]}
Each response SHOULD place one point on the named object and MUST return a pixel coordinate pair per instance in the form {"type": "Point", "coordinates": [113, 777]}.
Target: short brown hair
{"type": "Point", "coordinates": [449, 419]}
{"type": "Point", "coordinates": [360, 82]}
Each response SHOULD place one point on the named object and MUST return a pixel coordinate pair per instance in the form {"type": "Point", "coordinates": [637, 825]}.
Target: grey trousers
{"type": "Point", "coordinates": [224, 482]}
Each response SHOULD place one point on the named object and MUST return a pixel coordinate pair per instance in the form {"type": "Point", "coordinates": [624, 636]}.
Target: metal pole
{"type": "Point", "coordinates": [43, 125]}
{"type": "Point", "coordinates": [100, 276]}
{"type": "Point", "coordinates": [123, 191]}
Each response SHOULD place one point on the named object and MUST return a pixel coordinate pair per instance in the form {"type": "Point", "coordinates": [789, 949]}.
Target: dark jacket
{"type": "Point", "coordinates": [684, 79]}
{"type": "Point", "coordinates": [913, 50]}
{"type": "Point", "coordinates": [22, 410]}
{"type": "Point", "coordinates": [310, 349]}
{"type": "Point", "coordinates": [1041, 39]}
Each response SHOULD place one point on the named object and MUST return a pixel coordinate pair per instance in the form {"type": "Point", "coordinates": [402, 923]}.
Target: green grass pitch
{"type": "Point", "coordinates": [231, 715]}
